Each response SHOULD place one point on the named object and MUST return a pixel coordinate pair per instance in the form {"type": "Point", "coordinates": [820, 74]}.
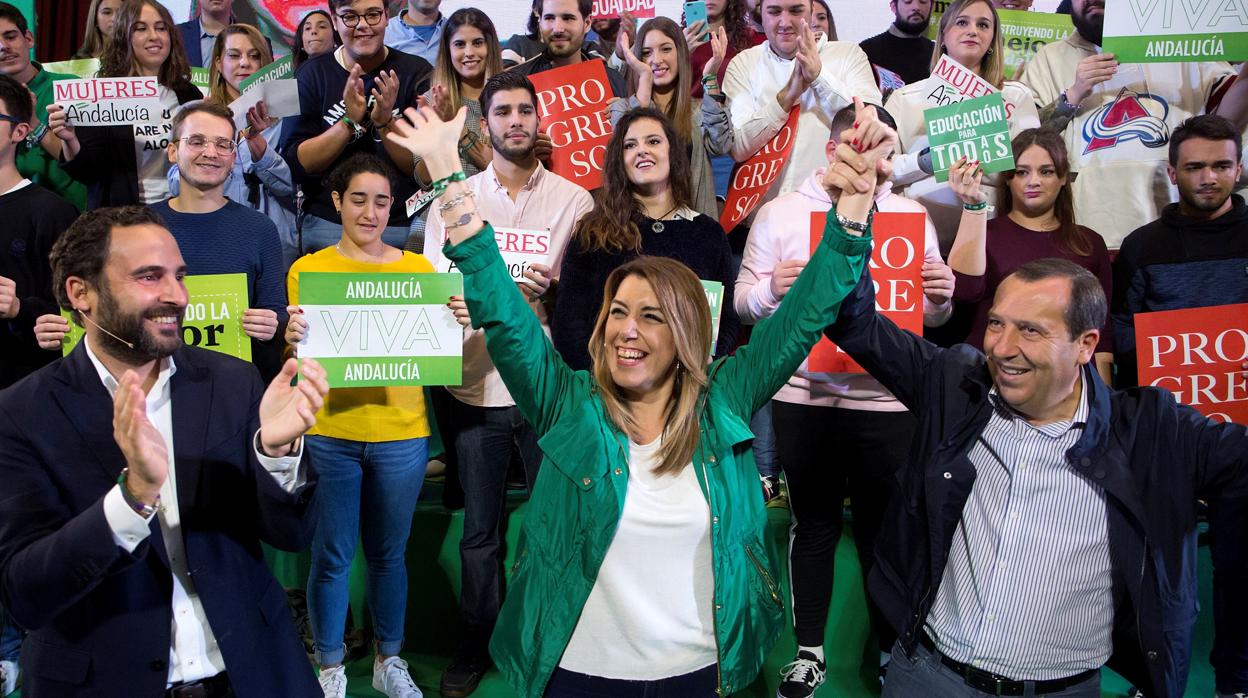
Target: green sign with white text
{"type": "Point", "coordinates": [384, 329]}
{"type": "Point", "coordinates": [213, 318]}
{"type": "Point", "coordinates": [277, 70]}
{"type": "Point", "coordinates": [975, 129]}
{"type": "Point", "coordinates": [715, 299]}
{"type": "Point", "coordinates": [1023, 34]}
{"type": "Point", "coordinates": [1169, 31]}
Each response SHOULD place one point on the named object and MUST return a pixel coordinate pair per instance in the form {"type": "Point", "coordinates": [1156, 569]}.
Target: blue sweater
{"type": "Point", "coordinates": [234, 239]}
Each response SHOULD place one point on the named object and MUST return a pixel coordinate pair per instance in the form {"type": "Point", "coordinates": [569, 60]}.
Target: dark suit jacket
{"type": "Point", "coordinates": [99, 617]}
{"type": "Point", "coordinates": [190, 41]}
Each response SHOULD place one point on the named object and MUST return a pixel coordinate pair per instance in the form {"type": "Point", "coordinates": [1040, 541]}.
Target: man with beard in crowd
{"type": "Point", "coordinates": [902, 48]}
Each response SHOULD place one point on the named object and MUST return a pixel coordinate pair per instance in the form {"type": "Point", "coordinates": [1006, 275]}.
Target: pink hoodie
{"type": "Point", "coordinates": [781, 231]}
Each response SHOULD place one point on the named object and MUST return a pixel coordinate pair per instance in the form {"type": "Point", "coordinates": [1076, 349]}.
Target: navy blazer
{"type": "Point", "coordinates": [1153, 457]}
{"type": "Point", "coordinates": [190, 41]}
{"type": "Point", "coordinates": [99, 618]}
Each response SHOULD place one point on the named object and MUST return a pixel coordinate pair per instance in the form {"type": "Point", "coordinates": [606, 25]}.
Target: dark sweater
{"type": "Point", "coordinates": [1009, 247]}
{"type": "Point", "coordinates": [321, 82]}
{"type": "Point", "coordinates": [33, 219]}
{"type": "Point", "coordinates": [699, 244]}
{"type": "Point", "coordinates": [909, 58]}
{"type": "Point", "coordinates": [236, 239]}
{"type": "Point", "coordinates": [1177, 262]}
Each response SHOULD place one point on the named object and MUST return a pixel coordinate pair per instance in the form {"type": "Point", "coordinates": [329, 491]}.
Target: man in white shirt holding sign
{"type": "Point", "coordinates": [530, 207]}
{"type": "Point", "coordinates": [793, 68]}
{"type": "Point", "coordinates": [1117, 119]}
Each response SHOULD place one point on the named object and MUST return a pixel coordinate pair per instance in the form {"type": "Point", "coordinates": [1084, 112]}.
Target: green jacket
{"type": "Point", "coordinates": [579, 494]}
{"type": "Point", "coordinates": [33, 162]}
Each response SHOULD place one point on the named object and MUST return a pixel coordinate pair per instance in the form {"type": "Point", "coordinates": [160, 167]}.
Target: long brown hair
{"type": "Point", "coordinates": [684, 304]}
{"type": "Point", "coordinates": [444, 74]}
{"type": "Point", "coordinates": [1069, 235]}
{"type": "Point", "coordinates": [679, 110]}
{"type": "Point", "coordinates": [92, 38]}
{"type": "Point", "coordinates": [992, 65]}
{"type": "Point", "coordinates": [218, 88]}
{"type": "Point", "coordinates": [612, 225]}
{"type": "Point", "coordinates": [118, 59]}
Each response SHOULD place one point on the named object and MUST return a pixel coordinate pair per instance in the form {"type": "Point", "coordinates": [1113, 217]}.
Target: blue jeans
{"type": "Point", "coordinates": [765, 442]}
{"type": "Point", "coordinates": [10, 638]}
{"type": "Point", "coordinates": [696, 684]}
{"type": "Point", "coordinates": [319, 233]}
{"type": "Point", "coordinates": [484, 438]}
{"type": "Point", "coordinates": [925, 675]}
{"type": "Point", "coordinates": [367, 491]}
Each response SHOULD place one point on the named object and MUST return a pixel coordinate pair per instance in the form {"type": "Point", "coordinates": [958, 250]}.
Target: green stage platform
{"type": "Point", "coordinates": [432, 619]}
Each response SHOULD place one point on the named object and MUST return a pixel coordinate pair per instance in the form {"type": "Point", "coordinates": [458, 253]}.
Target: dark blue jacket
{"type": "Point", "coordinates": [100, 618]}
{"type": "Point", "coordinates": [1153, 457]}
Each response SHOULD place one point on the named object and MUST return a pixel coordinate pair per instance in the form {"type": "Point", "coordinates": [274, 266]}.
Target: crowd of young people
{"type": "Point", "coordinates": [650, 447]}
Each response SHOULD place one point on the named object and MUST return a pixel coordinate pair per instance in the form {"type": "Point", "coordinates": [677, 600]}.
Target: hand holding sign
{"type": "Point", "coordinates": [937, 282]}
{"type": "Point", "coordinates": [297, 326]}
{"type": "Point", "coordinates": [288, 411]}
{"type": "Point", "coordinates": [1090, 72]}
{"type": "Point", "coordinates": [965, 179]}
{"type": "Point", "coordinates": [50, 330]}
{"type": "Point", "coordinates": [58, 124]}
{"type": "Point", "coordinates": [459, 307]}
{"type": "Point", "coordinates": [260, 323]}
{"type": "Point", "coordinates": [538, 281]}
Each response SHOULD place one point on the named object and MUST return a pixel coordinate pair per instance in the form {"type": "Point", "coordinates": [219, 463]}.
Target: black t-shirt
{"type": "Point", "coordinates": [321, 82]}
{"type": "Point", "coordinates": [911, 58]}
{"type": "Point", "coordinates": [33, 219]}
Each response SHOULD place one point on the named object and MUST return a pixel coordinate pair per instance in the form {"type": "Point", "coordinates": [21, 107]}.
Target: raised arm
{"type": "Point", "coordinates": [969, 256]}
{"type": "Point", "coordinates": [525, 358]}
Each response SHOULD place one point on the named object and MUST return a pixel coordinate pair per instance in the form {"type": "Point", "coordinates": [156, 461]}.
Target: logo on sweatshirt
{"type": "Point", "coordinates": [1132, 116]}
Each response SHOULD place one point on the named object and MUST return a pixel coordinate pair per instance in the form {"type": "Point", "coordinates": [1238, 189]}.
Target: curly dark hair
{"type": "Point", "coordinates": [736, 26]}
{"type": "Point", "coordinates": [359, 163]}
{"type": "Point", "coordinates": [82, 250]}
{"type": "Point", "coordinates": [612, 224]}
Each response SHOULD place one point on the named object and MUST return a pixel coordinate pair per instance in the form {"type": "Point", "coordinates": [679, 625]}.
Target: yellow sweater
{"type": "Point", "coordinates": [369, 415]}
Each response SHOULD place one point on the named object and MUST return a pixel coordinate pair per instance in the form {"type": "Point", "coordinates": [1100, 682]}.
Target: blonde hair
{"type": "Point", "coordinates": [992, 65]}
{"type": "Point", "coordinates": [218, 87]}
{"type": "Point", "coordinates": [683, 302]}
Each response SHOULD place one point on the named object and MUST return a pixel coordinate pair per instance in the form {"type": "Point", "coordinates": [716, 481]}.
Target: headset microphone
{"type": "Point", "coordinates": [110, 334]}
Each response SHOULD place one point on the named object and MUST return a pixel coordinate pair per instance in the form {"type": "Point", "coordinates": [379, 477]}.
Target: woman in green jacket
{"type": "Point", "coordinates": [642, 557]}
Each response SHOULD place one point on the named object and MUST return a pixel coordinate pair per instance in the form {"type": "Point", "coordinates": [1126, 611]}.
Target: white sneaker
{"type": "Point", "coordinates": [391, 678]}
{"type": "Point", "coordinates": [334, 682]}
{"type": "Point", "coordinates": [9, 674]}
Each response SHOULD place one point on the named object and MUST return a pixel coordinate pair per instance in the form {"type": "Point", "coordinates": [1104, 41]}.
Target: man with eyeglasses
{"type": "Point", "coordinates": [219, 236]}
{"type": "Point", "coordinates": [348, 99]}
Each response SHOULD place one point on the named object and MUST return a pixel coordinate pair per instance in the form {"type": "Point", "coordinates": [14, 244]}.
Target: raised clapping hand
{"type": "Point", "coordinates": [50, 331]}
{"type": "Point", "coordinates": [385, 92]}
{"type": "Point", "coordinates": [288, 411]}
{"type": "Point", "coordinates": [257, 121]}
{"type": "Point", "coordinates": [430, 138]}
{"type": "Point", "coordinates": [806, 67]}
{"type": "Point", "coordinates": [145, 450]}
{"type": "Point", "coordinates": [353, 95]}
{"type": "Point", "coordinates": [965, 179]}
{"type": "Point", "coordinates": [863, 150]}
{"type": "Point", "coordinates": [719, 49]}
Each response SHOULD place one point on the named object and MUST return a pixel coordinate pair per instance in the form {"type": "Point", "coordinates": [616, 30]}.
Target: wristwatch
{"type": "Point", "coordinates": [144, 510]}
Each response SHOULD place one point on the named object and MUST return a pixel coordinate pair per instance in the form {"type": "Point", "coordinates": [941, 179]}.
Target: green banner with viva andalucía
{"type": "Point", "coordinates": [1173, 31]}
{"type": "Point", "coordinates": [975, 129]}
{"type": "Point", "coordinates": [385, 329]}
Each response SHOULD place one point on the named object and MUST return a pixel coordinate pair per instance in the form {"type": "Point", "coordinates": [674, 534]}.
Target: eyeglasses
{"type": "Point", "coordinates": [11, 119]}
{"type": "Point", "coordinates": [373, 17]}
{"type": "Point", "coordinates": [200, 143]}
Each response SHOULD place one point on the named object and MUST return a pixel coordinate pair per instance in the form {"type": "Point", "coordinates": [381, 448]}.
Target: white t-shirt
{"type": "Point", "coordinates": [649, 614]}
{"type": "Point", "coordinates": [150, 142]}
{"type": "Point", "coordinates": [1119, 140]}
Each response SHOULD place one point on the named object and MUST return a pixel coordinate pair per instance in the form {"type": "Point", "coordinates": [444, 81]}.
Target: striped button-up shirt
{"type": "Point", "coordinates": [1027, 589]}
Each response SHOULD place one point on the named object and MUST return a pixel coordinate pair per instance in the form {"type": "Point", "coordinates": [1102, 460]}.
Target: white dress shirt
{"type": "Point", "coordinates": [194, 653]}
